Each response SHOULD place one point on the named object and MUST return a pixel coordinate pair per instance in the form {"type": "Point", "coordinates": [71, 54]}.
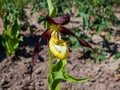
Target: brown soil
{"type": "Point", "coordinates": [15, 70]}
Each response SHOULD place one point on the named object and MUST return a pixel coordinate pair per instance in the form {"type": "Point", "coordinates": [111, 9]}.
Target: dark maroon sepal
{"type": "Point", "coordinates": [50, 20]}
{"type": "Point", "coordinates": [46, 34]}
{"type": "Point", "coordinates": [36, 52]}
{"type": "Point", "coordinates": [61, 20]}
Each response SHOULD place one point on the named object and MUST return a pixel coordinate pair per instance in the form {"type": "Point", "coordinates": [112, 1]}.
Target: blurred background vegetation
{"type": "Point", "coordinates": [97, 18]}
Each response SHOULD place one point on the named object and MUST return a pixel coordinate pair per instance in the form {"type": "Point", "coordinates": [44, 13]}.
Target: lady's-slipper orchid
{"type": "Point", "coordinates": [57, 46]}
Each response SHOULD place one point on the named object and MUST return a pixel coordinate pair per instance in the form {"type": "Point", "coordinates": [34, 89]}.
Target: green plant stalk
{"type": "Point", "coordinates": [50, 5]}
{"type": "Point", "coordinates": [51, 73]}
{"type": "Point", "coordinates": [52, 13]}
{"type": "Point", "coordinates": [58, 86]}
{"type": "Point", "coordinates": [52, 9]}
{"type": "Point", "coordinates": [1, 8]}
{"type": "Point", "coordinates": [50, 62]}
{"type": "Point", "coordinates": [50, 70]}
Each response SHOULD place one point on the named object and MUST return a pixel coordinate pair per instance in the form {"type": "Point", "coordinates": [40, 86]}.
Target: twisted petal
{"type": "Point", "coordinates": [66, 31]}
{"type": "Point", "coordinates": [81, 41]}
{"type": "Point", "coordinates": [36, 51]}
{"type": "Point", "coordinates": [62, 20]}
{"type": "Point", "coordinates": [46, 34]}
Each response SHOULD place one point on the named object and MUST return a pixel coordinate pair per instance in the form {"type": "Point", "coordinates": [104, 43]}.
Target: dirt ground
{"type": "Point", "coordinates": [15, 69]}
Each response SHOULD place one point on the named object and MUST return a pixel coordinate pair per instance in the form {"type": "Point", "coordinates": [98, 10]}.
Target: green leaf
{"type": "Point", "coordinates": [52, 9]}
{"type": "Point", "coordinates": [55, 78]}
{"type": "Point", "coordinates": [65, 76]}
{"type": "Point", "coordinates": [21, 38]}
{"type": "Point", "coordinates": [60, 73]}
{"type": "Point", "coordinates": [53, 84]}
{"type": "Point", "coordinates": [76, 45]}
{"type": "Point", "coordinates": [72, 79]}
{"type": "Point", "coordinates": [100, 56]}
{"type": "Point", "coordinates": [72, 38]}
{"type": "Point", "coordinates": [117, 56]}
{"type": "Point", "coordinates": [1, 7]}
{"type": "Point", "coordinates": [85, 18]}
{"type": "Point", "coordinates": [10, 36]}
{"type": "Point", "coordinates": [100, 27]}
{"type": "Point", "coordinates": [59, 66]}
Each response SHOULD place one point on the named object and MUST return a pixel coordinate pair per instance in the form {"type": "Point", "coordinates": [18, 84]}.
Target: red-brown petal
{"type": "Point", "coordinates": [66, 31]}
{"type": "Point", "coordinates": [81, 41]}
{"type": "Point", "coordinates": [46, 34]}
{"type": "Point", "coordinates": [84, 43]}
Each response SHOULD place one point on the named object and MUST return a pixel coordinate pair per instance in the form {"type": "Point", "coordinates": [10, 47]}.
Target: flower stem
{"type": "Point", "coordinates": [50, 62]}
{"type": "Point", "coordinates": [51, 73]}
{"type": "Point", "coordinates": [58, 86]}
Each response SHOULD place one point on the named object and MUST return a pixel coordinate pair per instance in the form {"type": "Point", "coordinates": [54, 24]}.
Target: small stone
{"type": "Point", "coordinates": [96, 39]}
{"type": "Point", "coordinates": [5, 83]}
{"type": "Point", "coordinates": [37, 71]}
{"type": "Point", "coordinates": [41, 83]}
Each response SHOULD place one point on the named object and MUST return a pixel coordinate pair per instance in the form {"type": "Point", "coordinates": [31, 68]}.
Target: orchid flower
{"type": "Point", "coordinates": [58, 47]}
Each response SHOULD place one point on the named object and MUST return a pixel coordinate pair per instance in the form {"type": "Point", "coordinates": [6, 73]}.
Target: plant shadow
{"type": "Point", "coordinates": [2, 50]}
